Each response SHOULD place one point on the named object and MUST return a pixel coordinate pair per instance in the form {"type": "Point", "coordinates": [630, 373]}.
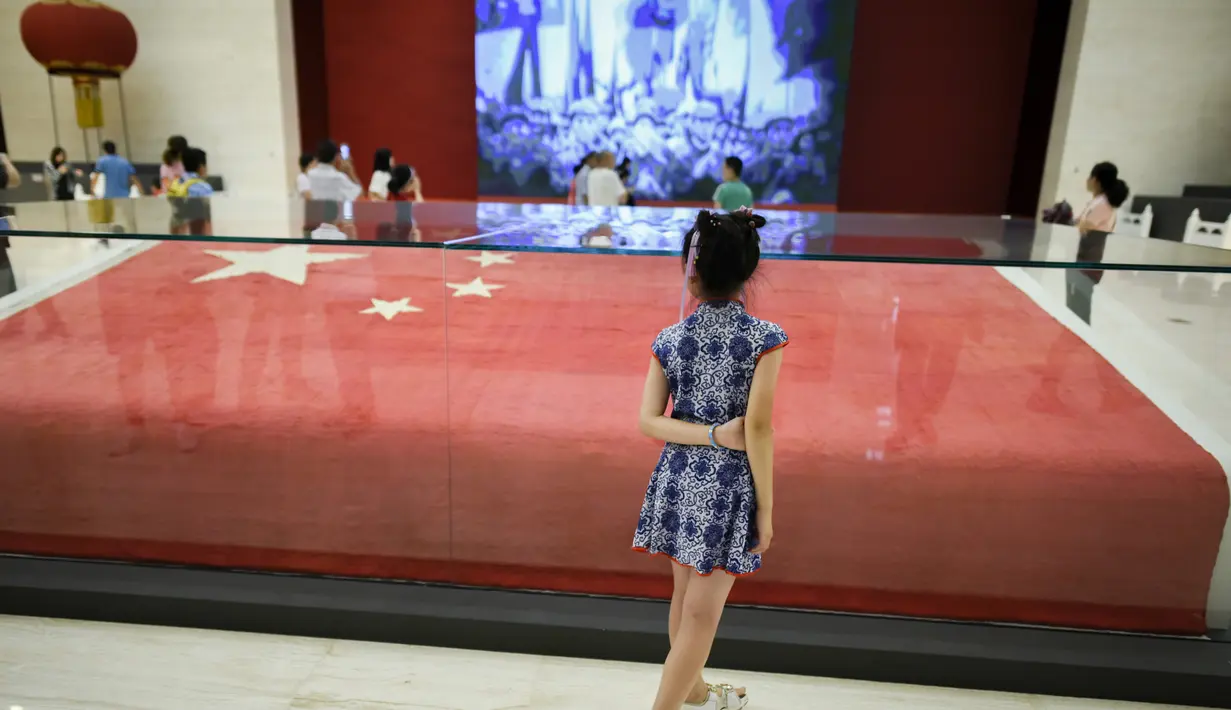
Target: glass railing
{"type": "Point", "coordinates": [977, 419]}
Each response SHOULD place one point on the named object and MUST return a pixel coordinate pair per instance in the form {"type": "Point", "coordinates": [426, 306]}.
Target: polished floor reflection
{"type": "Point", "coordinates": [52, 664]}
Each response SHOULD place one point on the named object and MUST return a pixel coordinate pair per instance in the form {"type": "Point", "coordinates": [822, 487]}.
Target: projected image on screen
{"type": "Point", "coordinates": [674, 86]}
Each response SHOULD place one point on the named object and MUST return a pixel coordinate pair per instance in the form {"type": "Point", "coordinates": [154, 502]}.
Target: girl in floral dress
{"type": "Point", "coordinates": [709, 504]}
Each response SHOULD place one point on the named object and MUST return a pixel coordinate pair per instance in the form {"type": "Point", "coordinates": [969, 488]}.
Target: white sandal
{"type": "Point", "coordinates": [722, 697]}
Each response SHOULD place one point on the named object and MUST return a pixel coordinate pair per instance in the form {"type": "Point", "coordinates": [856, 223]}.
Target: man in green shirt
{"type": "Point", "coordinates": [732, 194]}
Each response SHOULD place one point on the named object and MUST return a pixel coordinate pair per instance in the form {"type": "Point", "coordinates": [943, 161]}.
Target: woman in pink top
{"type": "Point", "coordinates": [1095, 222]}
{"type": "Point", "coordinates": [1109, 193]}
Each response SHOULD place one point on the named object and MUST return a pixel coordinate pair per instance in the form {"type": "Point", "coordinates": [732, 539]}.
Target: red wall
{"type": "Point", "coordinates": [931, 121]}
{"type": "Point", "coordinates": [313, 92]}
{"type": "Point", "coordinates": [400, 74]}
{"type": "Point", "coordinates": [933, 106]}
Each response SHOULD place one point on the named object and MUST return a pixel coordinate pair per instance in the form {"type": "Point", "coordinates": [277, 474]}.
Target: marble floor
{"type": "Point", "coordinates": [53, 664]}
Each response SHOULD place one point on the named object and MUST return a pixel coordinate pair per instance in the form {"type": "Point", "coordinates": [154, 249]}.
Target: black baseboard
{"type": "Point", "coordinates": [1023, 660]}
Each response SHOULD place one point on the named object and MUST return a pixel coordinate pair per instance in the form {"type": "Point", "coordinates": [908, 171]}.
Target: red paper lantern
{"type": "Point", "coordinates": [82, 39]}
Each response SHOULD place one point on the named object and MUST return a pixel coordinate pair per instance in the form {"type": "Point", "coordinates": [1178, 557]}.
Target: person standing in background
{"type": "Point", "coordinates": [117, 172]}
{"type": "Point", "coordinates": [1109, 193]}
{"type": "Point", "coordinates": [191, 216]}
{"type": "Point", "coordinates": [59, 175]}
{"type": "Point", "coordinates": [192, 183]}
{"type": "Point", "coordinates": [382, 169]}
{"type": "Point", "coordinates": [625, 171]}
{"type": "Point", "coordinates": [170, 170]}
{"type": "Point", "coordinates": [172, 165]}
{"type": "Point", "coordinates": [403, 185]}
{"type": "Point", "coordinates": [333, 179]}
{"type": "Point", "coordinates": [733, 193]}
{"type": "Point", "coordinates": [604, 185]}
{"type": "Point", "coordinates": [1095, 222]}
{"type": "Point", "coordinates": [302, 185]}
{"type": "Point", "coordinates": [580, 187]}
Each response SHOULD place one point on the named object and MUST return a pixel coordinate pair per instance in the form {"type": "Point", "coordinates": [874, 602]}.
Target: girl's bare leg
{"type": "Point", "coordinates": [704, 599]}
{"type": "Point", "coordinates": [682, 575]}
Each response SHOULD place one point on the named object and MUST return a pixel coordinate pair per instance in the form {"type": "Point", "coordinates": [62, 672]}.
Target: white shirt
{"type": "Point", "coordinates": [604, 187]}
{"type": "Point", "coordinates": [582, 182]}
{"type": "Point", "coordinates": [329, 232]}
{"type": "Point", "coordinates": [301, 183]}
{"type": "Point", "coordinates": [379, 187]}
{"type": "Point", "coordinates": [328, 183]}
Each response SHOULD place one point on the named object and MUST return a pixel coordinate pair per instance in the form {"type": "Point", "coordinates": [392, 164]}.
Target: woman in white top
{"type": "Point", "coordinates": [382, 169]}
{"type": "Point", "coordinates": [605, 187]}
{"type": "Point", "coordinates": [302, 185]}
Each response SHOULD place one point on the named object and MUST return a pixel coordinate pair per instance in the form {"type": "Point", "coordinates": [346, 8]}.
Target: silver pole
{"type": "Point", "coordinates": [128, 146]}
{"type": "Point", "coordinates": [55, 119]}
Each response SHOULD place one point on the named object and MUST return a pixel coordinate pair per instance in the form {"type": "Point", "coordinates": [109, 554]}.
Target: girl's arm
{"type": "Point", "coordinates": [759, 435]}
{"type": "Point", "coordinates": [657, 426]}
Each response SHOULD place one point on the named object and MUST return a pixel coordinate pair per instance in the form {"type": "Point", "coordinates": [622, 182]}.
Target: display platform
{"type": "Point", "coordinates": [448, 393]}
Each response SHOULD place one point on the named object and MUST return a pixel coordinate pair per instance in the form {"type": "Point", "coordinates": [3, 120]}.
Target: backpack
{"type": "Point", "coordinates": [1059, 213]}
{"type": "Point", "coordinates": [179, 187]}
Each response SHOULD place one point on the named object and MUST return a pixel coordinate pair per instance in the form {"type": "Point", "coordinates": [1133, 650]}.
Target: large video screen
{"type": "Point", "coordinates": [674, 86]}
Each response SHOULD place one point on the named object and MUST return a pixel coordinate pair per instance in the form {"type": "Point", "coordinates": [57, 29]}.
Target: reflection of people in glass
{"type": "Point", "coordinates": [529, 15]}
{"type": "Point", "coordinates": [928, 346]}
{"type": "Point", "coordinates": [160, 317]}
{"type": "Point", "coordinates": [1094, 223]}
{"type": "Point", "coordinates": [53, 325]}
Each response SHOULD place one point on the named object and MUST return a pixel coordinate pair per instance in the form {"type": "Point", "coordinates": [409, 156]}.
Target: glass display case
{"type": "Point", "coordinates": [978, 419]}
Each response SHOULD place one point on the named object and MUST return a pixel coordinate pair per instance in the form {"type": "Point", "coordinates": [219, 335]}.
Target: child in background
{"type": "Point", "coordinates": [732, 194]}
{"type": "Point", "coordinates": [192, 182]}
{"type": "Point", "coordinates": [172, 164]}
{"type": "Point", "coordinates": [403, 185]}
{"type": "Point", "coordinates": [302, 186]}
{"type": "Point", "coordinates": [709, 505]}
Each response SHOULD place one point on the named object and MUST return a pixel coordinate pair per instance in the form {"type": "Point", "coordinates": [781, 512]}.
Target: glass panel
{"type": "Point", "coordinates": [1013, 443]}
{"type": "Point", "coordinates": [647, 230]}
{"type": "Point", "coordinates": [547, 353]}
{"type": "Point", "coordinates": [244, 405]}
{"type": "Point", "coordinates": [1136, 390]}
{"type": "Point", "coordinates": [237, 219]}
{"type": "Point", "coordinates": [836, 237]}
{"type": "Point", "coordinates": [952, 441]}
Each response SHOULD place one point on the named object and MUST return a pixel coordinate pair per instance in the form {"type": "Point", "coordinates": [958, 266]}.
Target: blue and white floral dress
{"type": "Point", "coordinates": [700, 506]}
